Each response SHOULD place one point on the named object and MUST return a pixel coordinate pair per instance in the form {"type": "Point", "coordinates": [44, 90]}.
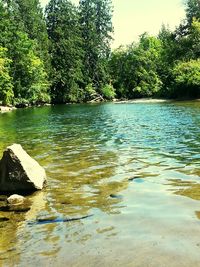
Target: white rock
{"type": "Point", "coordinates": [4, 109]}
{"type": "Point", "coordinates": [15, 199]}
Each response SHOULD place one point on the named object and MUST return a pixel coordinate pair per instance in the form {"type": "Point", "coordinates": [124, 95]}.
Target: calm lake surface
{"type": "Point", "coordinates": [134, 167]}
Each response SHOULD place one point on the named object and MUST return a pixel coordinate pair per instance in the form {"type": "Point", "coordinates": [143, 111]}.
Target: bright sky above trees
{"type": "Point", "coordinates": [133, 17]}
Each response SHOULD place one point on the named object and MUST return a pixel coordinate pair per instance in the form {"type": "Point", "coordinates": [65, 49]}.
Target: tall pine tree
{"type": "Point", "coordinates": [192, 10]}
{"type": "Point", "coordinates": [66, 51]}
{"type": "Point", "coordinates": [96, 27]}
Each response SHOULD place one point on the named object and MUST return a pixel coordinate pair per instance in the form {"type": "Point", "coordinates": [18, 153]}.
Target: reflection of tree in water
{"type": "Point", "coordinates": [8, 132]}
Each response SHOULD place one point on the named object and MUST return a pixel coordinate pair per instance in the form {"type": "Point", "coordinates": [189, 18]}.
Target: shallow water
{"type": "Point", "coordinates": [133, 167]}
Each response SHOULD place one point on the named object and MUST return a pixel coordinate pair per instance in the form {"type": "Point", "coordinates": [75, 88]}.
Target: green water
{"type": "Point", "coordinates": [91, 154]}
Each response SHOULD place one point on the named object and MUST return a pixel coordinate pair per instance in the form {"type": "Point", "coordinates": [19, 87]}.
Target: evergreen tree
{"type": "Point", "coordinates": [192, 10]}
{"type": "Point", "coordinates": [96, 27]}
{"type": "Point", "coordinates": [4, 25]}
{"type": "Point", "coordinates": [66, 51]}
{"type": "Point", "coordinates": [168, 56]}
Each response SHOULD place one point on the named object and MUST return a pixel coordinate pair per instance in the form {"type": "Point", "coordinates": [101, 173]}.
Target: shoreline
{"type": "Point", "coordinates": [153, 100]}
{"type": "Point", "coordinates": [5, 109]}
{"type": "Point", "coordinates": [143, 100]}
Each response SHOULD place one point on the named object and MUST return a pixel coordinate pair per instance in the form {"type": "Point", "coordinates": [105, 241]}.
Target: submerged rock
{"type": "Point", "coordinates": [16, 199]}
{"type": "Point", "coordinates": [16, 203]}
{"type": "Point", "coordinates": [20, 172]}
{"type": "Point", "coordinates": [116, 196]}
{"type": "Point", "coordinates": [133, 178]}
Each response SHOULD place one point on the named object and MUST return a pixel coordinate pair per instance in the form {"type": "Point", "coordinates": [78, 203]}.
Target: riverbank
{"type": "Point", "coordinates": [153, 100]}
{"type": "Point", "coordinates": [4, 109]}
{"type": "Point", "coordinates": [143, 100]}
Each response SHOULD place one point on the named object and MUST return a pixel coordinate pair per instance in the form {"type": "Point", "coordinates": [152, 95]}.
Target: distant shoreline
{"type": "Point", "coordinates": [5, 109]}
{"type": "Point", "coordinates": [143, 100]}
{"type": "Point", "coordinates": [153, 100]}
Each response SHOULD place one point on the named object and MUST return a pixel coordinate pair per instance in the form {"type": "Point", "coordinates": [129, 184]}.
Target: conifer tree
{"type": "Point", "coordinates": [96, 27]}
{"type": "Point", "coordinates": [66, 51]}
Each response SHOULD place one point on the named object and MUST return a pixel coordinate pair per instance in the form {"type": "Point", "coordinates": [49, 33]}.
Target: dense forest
{"type": "Point", "coordinates": [63, 54]}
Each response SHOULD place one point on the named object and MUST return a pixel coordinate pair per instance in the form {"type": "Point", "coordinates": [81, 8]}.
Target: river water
{"type": "Point", "coordinates": [133, 168]}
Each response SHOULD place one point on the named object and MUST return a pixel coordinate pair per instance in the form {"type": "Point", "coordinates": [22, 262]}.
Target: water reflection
{"type": "Point", "coordinates": [189, 189]}
{"type": "Point", "coordinates": [127, 165]}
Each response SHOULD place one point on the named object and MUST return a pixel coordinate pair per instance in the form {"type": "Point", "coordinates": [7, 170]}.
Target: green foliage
{"type": "Point", "coordinates": [187, 78]}
{"type": "Point", "coordinates": [193, 37]}
{"type": "Point", "coordinates": [118, 71]}
{"type": "Point", "coordinates": [178, 49]}
{"type": "Point", "coordinates": [192, 10]}
{"type": "Point", "coordinates": [168, 56]}
{"type": "Point", "coordinates": [66, 51]}
{"type": "Point", "coordinates": [96, 30]}
{"type": "Point", "coordinates": [89, 92]}
{"type": "Point", "coordinates": [164, 66]}
{"type": "Point", "coordinates": [6, 86]}
{"type": "Point", "coordinates": [27, 67]}
{"type": "Point", "coordinates": [76, 40]}
{"type": "Point", "coordinates": [29, 14]}
{"type": "Point", "coordinates": [29, 76]}
{"type": "Point", "coordinates": [67, 58]}
{"type": "Point", "coordinates": [108, 91]}
{"type": "Point", "coordinates": [134, 69]}
{"type": "Point", "coordinates": [38, 90]}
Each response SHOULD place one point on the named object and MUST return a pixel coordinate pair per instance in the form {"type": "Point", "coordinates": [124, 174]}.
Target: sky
{"type": "Point", "coordinates": [131, 18]}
